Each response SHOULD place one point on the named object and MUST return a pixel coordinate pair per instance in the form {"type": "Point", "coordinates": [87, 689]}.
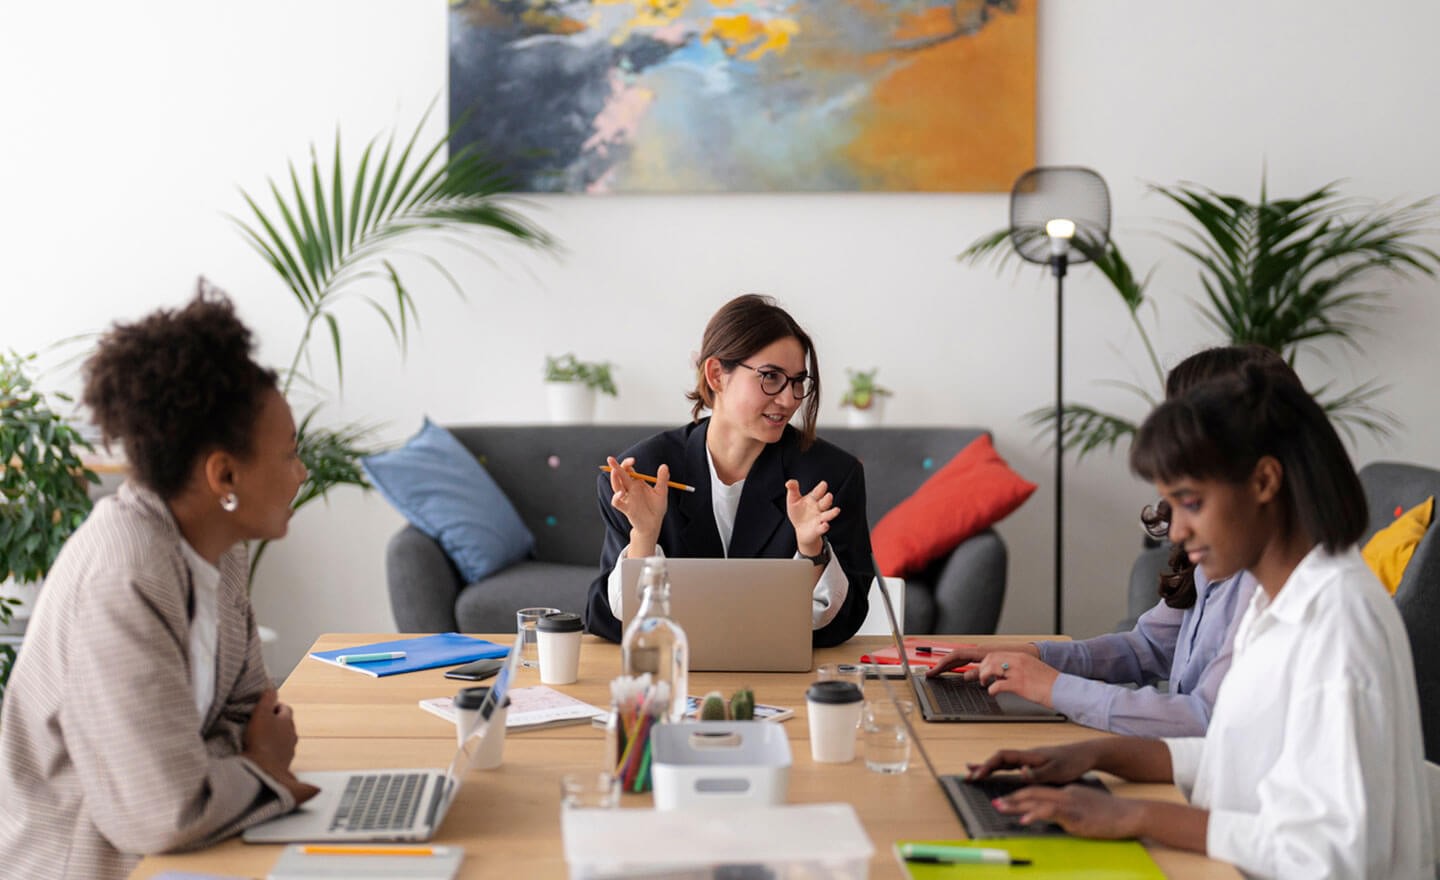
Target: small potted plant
{"type": "Point", "coordinates": [44, 491]}
{"type": "Point", "coordinates": [864, 400]}
{"type": "Point", "coordinates": [570, 386]}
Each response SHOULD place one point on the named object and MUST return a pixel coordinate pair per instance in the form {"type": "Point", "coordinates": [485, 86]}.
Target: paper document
{"type": "Point", "coordinates": [530, 707]}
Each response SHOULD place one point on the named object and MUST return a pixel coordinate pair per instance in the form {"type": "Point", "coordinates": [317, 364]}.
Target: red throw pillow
{"type": "Point", "coordinates": [972, 492]}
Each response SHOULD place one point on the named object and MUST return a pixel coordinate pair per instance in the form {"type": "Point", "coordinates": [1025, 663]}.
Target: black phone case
{"type": "Point", "coordinates": [479, 670]}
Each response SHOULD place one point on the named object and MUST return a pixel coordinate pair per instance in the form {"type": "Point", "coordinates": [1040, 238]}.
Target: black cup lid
{"type": "Point", "coordinates": [560, 622]}
{"type": "Point", "coordinates": [838, 692]}
{"type": "Point", "coordinates": [471, 698]}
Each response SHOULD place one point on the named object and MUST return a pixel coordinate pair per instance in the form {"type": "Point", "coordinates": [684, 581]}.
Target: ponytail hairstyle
{"type": "Point", "coordinates": [1177, 584]}
{"type": "Point", "coordinates": [742, 327]}
{"type": "Point", "coordinates": [1221, 428]}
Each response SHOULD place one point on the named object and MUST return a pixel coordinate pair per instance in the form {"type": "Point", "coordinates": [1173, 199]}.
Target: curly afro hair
{"type": "Point", "coordinates": [176, 385]}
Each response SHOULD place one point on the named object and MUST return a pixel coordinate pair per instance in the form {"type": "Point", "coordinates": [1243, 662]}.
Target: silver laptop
{"type": "Point", "coordinates": [389, 804]}
{"type": "Point", "coordinates": [739, 615]}
{"type": "Point", "coordinates": [952, 698]}
{"type": "Point", "coordinates": [971, 801]}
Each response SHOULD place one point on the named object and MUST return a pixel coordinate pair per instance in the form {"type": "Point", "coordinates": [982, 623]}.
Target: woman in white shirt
{"type": "Point", "coordinates": [1312, 765]}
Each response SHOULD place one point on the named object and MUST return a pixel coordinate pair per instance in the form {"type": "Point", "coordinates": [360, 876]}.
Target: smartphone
{"type": "Point", "coordinates": [476, 671]}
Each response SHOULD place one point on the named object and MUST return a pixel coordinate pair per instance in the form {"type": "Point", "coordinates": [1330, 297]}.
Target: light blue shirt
{"type": "Point", "coordinates": [1190, 648]}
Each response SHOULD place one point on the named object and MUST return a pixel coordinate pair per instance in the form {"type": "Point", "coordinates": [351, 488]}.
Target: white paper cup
{"type": "Point", "coordinates": [834, 708]}
{"type": "Point", "coordinates": [559, 636]}
{"type": "Point", "coordinates": [490, 750]}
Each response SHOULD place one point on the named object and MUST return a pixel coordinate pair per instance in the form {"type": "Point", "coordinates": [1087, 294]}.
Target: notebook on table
{"type": "Point", "coordinates": [386, 804]}
{"type": "Point", "coordinates": [739, 615]}
{"type": "Point", "coordinates": [1048, 857]}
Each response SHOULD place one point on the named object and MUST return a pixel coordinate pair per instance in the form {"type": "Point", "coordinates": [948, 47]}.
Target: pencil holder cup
{"type": "Point", "coordinates": [628, 741]}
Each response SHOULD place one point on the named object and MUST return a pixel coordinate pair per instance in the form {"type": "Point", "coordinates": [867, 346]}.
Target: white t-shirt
{"type": "Point", "coordinates": [204, 628]}
{"type": "Point", "coordinates": [1313, 765]}
{"type": "Point", "coordinates": [830, 591]}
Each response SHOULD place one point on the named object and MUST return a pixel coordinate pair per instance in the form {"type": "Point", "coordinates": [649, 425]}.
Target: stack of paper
{"type": "Point", "coordinates": [530, 707]}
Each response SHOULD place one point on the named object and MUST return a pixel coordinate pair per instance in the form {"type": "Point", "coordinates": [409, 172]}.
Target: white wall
{"type": "Point", "coordinates": [124, 132]}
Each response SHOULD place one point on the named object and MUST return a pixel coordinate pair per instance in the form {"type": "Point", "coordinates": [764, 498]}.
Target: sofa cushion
{"type": "Point", "coordinates": [444, 492]}
{"type": "Point", "coordinates": [972, 492]}
{"type": "Point", "coordinates": [1389, 551]}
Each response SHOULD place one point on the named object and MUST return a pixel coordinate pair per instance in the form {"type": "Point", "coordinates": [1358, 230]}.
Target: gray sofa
{"type": "Point", "coordinates": [548, 472]}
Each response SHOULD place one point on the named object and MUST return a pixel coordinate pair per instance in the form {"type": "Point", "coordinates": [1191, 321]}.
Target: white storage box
{"type": "Point", "coordinates": [795, 842]}
{"type": "Point", "coordinates": [719, 764]}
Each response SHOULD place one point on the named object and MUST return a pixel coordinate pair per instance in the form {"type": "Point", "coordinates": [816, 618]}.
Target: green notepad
{"type": "Point", "coordinates": [1066, 857]}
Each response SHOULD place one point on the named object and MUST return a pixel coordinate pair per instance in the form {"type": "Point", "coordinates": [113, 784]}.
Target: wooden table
{"type": "Point", "coordinates": [508, 819]}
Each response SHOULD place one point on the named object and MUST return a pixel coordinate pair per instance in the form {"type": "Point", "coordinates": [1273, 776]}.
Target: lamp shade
{"type": "Point", "coordinates": [1064, 192]}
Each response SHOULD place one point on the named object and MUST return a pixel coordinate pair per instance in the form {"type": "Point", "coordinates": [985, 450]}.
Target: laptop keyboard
{"type": "Point", "coordinates": [954, 696]}
{"type": "Point", "coordinates": [379, 802]}
{"type": "Point", "coordinates": [977, 811]}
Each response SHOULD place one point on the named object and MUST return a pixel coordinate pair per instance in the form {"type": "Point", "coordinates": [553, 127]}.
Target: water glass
{"type": "Point", "coordinates": [851, 672]}
{"type": "Point", "coordinates": [580, 791]}
{"type": "Point", "coordinates": [886, 738]}
{"type": "Point", "coordinates": [525, 620]}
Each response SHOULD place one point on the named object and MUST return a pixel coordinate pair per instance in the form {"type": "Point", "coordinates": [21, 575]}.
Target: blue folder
{"type": "Point", "coordinates": [423, 652]}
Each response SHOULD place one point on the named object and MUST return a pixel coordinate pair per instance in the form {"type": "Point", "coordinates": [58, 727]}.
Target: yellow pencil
{"type": "Point", "coordinates": [368, 850]}
{"type": "Point", "coordinates": [649, 479]}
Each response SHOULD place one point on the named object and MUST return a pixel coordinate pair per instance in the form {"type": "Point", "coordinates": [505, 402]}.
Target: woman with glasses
{"type": "Point", "coordinates": [763, 488]}
{"type": "Point", "coordinates": [1109, 682]}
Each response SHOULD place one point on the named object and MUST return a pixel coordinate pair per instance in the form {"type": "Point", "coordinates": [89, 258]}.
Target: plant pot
{"type": "Point", "coordinates": [570, 403]}
{"type": "Point", "coordinates": [869, 417]}
{"type": "Point", "coordinates": [28, 594]}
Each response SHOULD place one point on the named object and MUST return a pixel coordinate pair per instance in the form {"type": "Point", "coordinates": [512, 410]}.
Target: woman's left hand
{"type": "Point", "coordinates": [810, 514]}
{"type": "Point", "coordinates": [1079, 809]}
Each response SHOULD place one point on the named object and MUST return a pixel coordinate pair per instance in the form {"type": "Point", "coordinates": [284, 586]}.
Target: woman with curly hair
{"type": "Point", "coordinates": [140, 717]}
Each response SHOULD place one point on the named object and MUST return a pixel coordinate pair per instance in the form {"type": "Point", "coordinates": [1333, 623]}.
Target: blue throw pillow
{"type": "Point", "coordinates": [444, 492]}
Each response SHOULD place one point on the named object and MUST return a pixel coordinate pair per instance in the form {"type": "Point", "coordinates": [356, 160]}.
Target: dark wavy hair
{"type": "Point", "coordinates": [1221, 428]}
{"type": "Point", "coordinates": [1177, 584]}
{"type": "Point", "coordinates": [176, 385]}
{"type": "Point", "coordinates": [742, 327]}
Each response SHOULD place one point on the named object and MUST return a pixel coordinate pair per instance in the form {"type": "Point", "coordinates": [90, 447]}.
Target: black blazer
{"type": "Point", "coordinates": [762, 525]}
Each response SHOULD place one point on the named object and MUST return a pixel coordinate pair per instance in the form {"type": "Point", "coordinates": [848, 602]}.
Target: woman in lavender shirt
{"type": "Point", "coordinates": [1185, 639]}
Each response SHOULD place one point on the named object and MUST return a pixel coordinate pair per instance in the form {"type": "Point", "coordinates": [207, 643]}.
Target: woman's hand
{"type": "Point", "coordinates": [810, 514]}
{"type": "Point", "coordinates": [1064, 763]}
{"type": "Point", "coordinates": [644, 505]}
{"type": "Point", "coordinates": [976, 653]}
{"type": "Point", "coordinates": [1079, 809]}
{"type": "Point", "coordinates": [270, 742]}
{"type": "Point", "coordinates": [1013, 672]}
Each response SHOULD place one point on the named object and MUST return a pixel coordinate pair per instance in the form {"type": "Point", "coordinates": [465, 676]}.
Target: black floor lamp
{"type": "Point", "coordinates": [1059, 216]}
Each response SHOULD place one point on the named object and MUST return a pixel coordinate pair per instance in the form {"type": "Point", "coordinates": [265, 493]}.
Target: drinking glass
{"type": "Point", "coordinates": [886, 738]}
{"type": "Point", "coordinates": [525, 620]}
{"type": "Point", "coordinates": [589, 790]}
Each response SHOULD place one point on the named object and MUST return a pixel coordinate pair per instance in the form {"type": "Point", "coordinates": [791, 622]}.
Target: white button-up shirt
{"type": "Point", "coordinates": [1313, 765]}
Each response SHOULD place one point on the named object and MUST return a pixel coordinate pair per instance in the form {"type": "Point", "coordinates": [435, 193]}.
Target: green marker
{"type": "Point", "coordinates": [370, 658]}
{"type": "Point", "coordinates": [937, 853]}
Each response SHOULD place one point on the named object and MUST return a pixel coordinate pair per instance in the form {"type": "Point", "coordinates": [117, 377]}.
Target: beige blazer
{"type": "Point", "coordinates": [103, 756]}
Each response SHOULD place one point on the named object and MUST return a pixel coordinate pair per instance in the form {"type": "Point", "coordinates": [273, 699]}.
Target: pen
{"type": "Point", "coordinates": [924, 649]}
{"type": "Point", "coordinates": [649, 479]}
{"type": "Point", "coordinates": [370, 658]}
{"type": "Point", "coordinates": [939, 854]}
{"type": "Point", "coordinates": [371, 850]}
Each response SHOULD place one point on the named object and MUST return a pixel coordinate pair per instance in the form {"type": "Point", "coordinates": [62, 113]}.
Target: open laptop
{"type": "Point", "coordinates": [952, 698]}
{"type": "Point", "coordinates": [388, 804]}
{"type": "Point", "coordinates": [739, 615]}
{"type": "Point", "coordinates": [971, 801]}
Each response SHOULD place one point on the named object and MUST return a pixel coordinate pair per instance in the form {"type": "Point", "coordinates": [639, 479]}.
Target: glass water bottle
{"type": "Point", "coordinates": [653, 642]}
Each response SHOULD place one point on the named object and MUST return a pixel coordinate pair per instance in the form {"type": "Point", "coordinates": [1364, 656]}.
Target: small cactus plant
{"type": "Point", "coordinates": [712, 708]}
{"type": "Point", "coordinates": [742, 705]}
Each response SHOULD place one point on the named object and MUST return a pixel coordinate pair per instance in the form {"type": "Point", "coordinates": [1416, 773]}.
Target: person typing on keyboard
{"type": "Point", "coordinates": [1313, 764]}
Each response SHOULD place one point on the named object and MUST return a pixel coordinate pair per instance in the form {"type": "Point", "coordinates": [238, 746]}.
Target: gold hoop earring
{"type": "Point", "coordinates": [229, 503]}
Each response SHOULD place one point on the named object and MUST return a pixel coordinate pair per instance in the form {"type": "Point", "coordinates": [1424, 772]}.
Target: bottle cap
{"type": "Point", "coordinates": [836, 692]}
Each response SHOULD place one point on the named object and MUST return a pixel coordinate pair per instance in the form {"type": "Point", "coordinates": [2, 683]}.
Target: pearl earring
{"type": "Point", "coordinates": [229, 503]}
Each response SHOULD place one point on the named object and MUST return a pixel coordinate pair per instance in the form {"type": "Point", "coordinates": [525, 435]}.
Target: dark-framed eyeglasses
{"type": "Point", "coordinates": [773, 381]}
{"type": "Point", "coordinates": [1155, 519]}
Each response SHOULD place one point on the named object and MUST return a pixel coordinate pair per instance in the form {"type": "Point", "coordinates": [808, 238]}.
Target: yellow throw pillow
{"type": "Point", "coordinates": [1390, 550]}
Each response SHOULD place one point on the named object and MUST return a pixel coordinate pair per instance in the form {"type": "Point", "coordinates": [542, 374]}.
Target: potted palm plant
{"type": "Point", "coordinates": [44, 491]}
{"type": "Point", "coordinates": [1292, 274]}
{"type": "Point", "coordinates": [864, 400]}
{"type": "Point", "coordinates": [571, 386]}
{"type": "Point", "coordinates": [326, 238]}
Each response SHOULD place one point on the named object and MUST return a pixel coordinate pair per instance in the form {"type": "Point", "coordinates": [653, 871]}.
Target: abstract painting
{"type": "Point", "coordinates": [646, 96]}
